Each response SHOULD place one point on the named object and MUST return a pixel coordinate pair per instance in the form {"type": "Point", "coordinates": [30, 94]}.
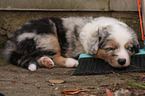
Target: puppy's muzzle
{"type": "Point", "coordinates": [121, 61]}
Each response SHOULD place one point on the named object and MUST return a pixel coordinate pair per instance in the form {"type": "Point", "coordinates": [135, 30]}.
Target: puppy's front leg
{"type": "Point", "coordinates": [70, 62]}
{"type": "Point", "coordinates": [65, 62]}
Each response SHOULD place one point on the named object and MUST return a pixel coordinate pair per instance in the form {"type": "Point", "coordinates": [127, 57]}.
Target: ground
{"type": "Point", "coordinates": [16, 81]}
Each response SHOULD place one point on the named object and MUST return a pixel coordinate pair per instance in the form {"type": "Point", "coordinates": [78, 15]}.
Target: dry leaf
{"type": "Point", "coordinates": [142, 76]}
{"type": "Point", "coordinates": [56, 81]}
{"type": "Point", "coordinates": [108, 92]}
{"type": "Point", "coordinates": [74, 91]}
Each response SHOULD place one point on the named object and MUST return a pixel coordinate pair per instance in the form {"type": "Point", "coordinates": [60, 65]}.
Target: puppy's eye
{"type": "Point", "coordinates": [109, 49]}
{"type": "Point", "coordinates": [130, 49]}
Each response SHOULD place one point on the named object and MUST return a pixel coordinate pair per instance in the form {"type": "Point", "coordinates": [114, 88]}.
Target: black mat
{"type": "Point", "coordinates": [95, 66]}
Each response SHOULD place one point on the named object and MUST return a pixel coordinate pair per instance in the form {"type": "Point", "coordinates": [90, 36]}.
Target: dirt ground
{"type": "Point", "coordinates": [16, 81]}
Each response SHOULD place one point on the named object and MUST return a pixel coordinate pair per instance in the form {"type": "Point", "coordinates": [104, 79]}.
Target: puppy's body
{"type": "Point", "coordinates": [63, 39]}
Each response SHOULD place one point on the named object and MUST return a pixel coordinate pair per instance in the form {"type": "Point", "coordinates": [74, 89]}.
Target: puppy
{"type": "Point", "coordinates": [47, 41]}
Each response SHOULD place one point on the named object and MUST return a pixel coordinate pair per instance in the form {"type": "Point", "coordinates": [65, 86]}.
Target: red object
{"type": "Point", "coordinates": [108, 92]}
{"type": "Point", "coordinates": [139, 7]}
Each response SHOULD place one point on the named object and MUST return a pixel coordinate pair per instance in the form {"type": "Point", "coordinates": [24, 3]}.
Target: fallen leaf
{"type": "Point", "coordinates": [108, 92]}
{"type": "Point", "coordinates": [74, 91]}
{"type": "Point", "coordinates": [57, 81]}
{"type": "Point", "coordinates": [142, 76]}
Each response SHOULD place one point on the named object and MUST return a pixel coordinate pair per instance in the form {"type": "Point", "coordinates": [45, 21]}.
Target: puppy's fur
{"type": "Point", "coordinates": [63, 39]}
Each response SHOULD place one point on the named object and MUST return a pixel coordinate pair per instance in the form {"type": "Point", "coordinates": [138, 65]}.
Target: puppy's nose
{"type": "Point", "coordinates": [121, 61]}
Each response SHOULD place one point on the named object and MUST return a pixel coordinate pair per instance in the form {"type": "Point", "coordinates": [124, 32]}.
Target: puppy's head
{"type": "Point", "coordinates": [117, 54]}
{"type": "Point", "coordinates": [114, 43]}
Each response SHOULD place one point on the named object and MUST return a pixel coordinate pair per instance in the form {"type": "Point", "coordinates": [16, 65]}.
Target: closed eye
{"type": "Point", "coordinates": [131, 49]}
{"type": "Point", "coordinates": [110, 49]}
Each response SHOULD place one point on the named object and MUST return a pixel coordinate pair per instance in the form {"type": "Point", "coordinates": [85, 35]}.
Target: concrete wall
{"type": "Point", "coordinates": [95, 5]}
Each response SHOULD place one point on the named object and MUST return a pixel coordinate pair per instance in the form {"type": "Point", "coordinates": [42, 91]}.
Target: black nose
{"type": "Point", "coordinates": [121, 61]}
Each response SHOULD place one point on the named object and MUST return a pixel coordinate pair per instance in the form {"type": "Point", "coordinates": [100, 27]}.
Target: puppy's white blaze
{"type": "Point", "coordinates": [70, 62]}
{"type": "Point", "coordinates": [122, 38]}
{"type": "Point", "coordinates": [123, 54]}
{"type": "Point", "coordinates": [32, 67]}
{"type": "Point", "coordinates": [26, 35]}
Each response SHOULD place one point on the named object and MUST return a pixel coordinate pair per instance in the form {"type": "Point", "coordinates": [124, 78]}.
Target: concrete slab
{"type": "Point", "coordinates": [16, 81]}
{"type": "Point", "coordinates": [97, 5]}
{"type": "Point", "coordinates": [123, 5]}
{"type": "Point", "coordinates": [75, 5]}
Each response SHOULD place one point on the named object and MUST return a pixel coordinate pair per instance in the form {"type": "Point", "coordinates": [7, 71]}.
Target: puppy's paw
{"type": "Point", "coordinates": [70, 62]}
{"type": "Point", "coordinates": [32, 66]}
{"type": "Point", "coordinates": [46, 62]}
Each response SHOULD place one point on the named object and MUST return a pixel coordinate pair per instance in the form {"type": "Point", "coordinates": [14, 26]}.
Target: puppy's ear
{"type": "Point", "coordinates": [98, 39]}
{"type": "Point", "coordinates": [92, 35]}
{"type": "Point", "coordinates": [134, 40]}
{"type": "Point", "coordinates": [136, 44]}
{"type": "Point", "coordinates": [93, 44]}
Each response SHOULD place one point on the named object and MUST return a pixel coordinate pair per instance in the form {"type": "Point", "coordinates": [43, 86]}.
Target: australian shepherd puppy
{"type": "Point", "coordinates": [46, 42]}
